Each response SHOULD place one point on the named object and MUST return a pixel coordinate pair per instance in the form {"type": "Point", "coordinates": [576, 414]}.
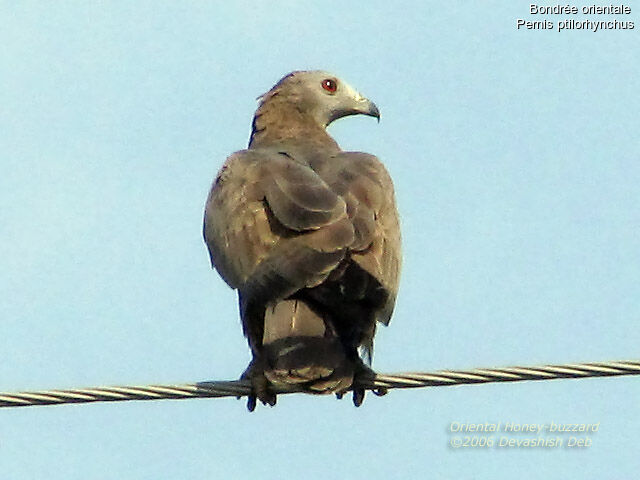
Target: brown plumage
{"type": "Point", "coordinates": [309, 236]}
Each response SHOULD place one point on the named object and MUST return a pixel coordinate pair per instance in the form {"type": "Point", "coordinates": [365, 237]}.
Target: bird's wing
{"type": "Point", "coordinates": [273, 226]}
{"type": "Point", "coordinates": [365, 185]}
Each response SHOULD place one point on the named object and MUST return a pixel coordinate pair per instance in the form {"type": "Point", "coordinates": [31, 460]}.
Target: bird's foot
{"type": "Point", "coordinates": [363, 374]}
{"type": "Point", "coordinates": [259, 385]}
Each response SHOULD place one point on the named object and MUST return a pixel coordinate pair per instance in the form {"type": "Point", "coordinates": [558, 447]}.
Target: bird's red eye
{"type": "Point", "coordinates": [330, 85]}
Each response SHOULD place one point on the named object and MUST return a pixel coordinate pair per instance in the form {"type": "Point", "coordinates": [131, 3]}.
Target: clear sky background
{"type": "Point", "coordinates": [516, 161]}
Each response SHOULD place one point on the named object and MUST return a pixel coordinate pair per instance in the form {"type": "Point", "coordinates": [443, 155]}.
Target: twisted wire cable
{"type": "Point", "coordinates": [381, 382]}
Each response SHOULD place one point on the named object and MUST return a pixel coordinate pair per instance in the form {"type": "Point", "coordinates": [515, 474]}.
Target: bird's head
{"type": "Point", "coordinates": [322, 95]}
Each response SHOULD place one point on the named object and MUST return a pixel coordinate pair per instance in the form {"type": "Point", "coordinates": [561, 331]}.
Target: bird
{"type": "Point", "coordinates": [309, 236]}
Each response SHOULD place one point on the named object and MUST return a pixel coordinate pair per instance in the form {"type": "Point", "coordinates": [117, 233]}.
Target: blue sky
{"type": "Point", "coordinates": [515, 156]}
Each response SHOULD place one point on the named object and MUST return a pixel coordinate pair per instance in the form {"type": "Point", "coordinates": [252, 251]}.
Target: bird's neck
{"type": "Point", "coordinates": [276, 122]}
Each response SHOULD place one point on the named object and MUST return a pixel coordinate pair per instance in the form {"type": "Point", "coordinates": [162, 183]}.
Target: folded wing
{"type": "Point", "coordinates": [273, 226]}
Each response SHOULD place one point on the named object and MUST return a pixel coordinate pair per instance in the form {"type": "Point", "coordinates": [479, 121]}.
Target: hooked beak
{"type": "Point", "coordinates": [367, 107]}
{"type": "Point", "coordinates": [373, 111]}
{"type": "Point", "coordinates": [359, 106]}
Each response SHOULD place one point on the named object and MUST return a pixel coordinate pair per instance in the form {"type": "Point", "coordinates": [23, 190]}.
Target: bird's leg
{"type": "Point", "coordinates": [259, 384]}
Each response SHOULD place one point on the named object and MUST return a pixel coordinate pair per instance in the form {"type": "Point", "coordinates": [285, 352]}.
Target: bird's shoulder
{"type": "Point", "coordinates": [349, 164]}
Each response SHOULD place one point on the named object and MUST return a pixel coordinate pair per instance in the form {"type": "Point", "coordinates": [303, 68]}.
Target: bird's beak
{"type": "Point", "coordinates": [358, 105]}
{"type": "Point", "coordinates": [373, 111]}
{"type": "Point", "coordinates": [367, 107]}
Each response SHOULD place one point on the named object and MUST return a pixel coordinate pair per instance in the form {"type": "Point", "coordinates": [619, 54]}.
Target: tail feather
{"type": "Point", "coordinates": [302, 348]}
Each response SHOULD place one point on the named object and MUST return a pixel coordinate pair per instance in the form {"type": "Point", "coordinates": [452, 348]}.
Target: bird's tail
{"type": "Point", "coordinates": [302, 348]}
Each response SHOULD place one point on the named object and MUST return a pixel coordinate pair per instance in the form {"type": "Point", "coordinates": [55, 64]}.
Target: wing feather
{"type": "Point", "coordinates": [363, 181]}
{"type": "Point", "coordinates": [273, 226]}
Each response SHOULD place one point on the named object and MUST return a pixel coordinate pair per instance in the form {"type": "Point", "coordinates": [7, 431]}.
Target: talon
{"type": "Point", "coordinates": [268, 398]}
{"type": "Point", "coordinates": [251, 403]}
{"type": "Point", "coordinates": [358, 396]}
{"type": "Point", "coordinates": [364, 375]}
